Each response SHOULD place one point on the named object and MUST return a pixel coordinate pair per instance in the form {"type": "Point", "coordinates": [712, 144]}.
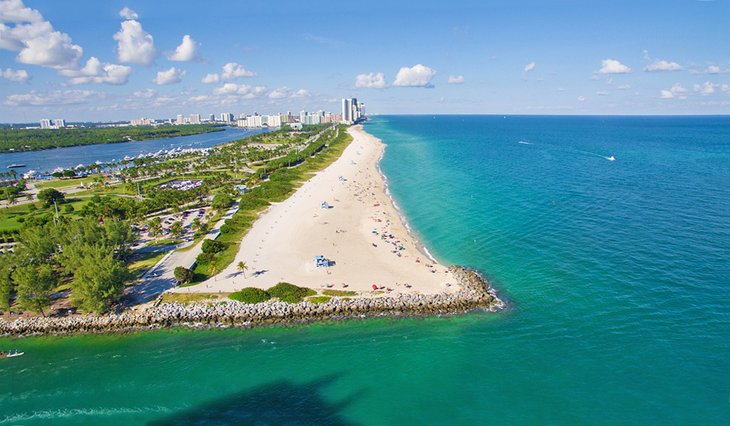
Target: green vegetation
{"type": "Point", "coordinates": [49, 196]}
{"type": "Point", "coordinates": [290, 293]}
{"type": "Point", "coordinates": [141, 264]}
{"type": "Point", "coordinates": [190, 297]}
{"type": "Point", "coordinates": [183, 275]}
{"type": "Point", "coordinates": [15, 140]}
{"type": "Point", "coordinates": [250, 295]}
{"type": "Point", "coordinates": [285, 292]}
{"type": "Point", "coordinates": [319, 299]}
{"type": "Point", "coordinates": [79, 251]}
{"type": "Point", "coordinates": [276, 181]}
{"type": "Point", "coordinates": [87, 254]}
{"type": "Point", "coordinates": [339, 293]}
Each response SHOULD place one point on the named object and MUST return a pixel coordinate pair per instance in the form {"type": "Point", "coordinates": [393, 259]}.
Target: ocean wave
{"type": "Point", "coordinates": [82, 412]}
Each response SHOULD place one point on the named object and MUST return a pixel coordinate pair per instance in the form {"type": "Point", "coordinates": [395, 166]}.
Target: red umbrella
{"type": "Point", "coordinates": [375, 287]}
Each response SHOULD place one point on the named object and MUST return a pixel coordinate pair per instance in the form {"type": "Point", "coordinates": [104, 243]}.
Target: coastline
{"type": "Point", "coordinates": [435, 289]}
{"type": "Point", "coordinates": [475, 294]}
{"type": "Point", "coordinates": [359, 230]}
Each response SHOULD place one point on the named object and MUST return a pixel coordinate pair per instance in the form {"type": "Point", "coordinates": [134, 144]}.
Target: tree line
{"type": "Point", "coordinates": [15, 140]}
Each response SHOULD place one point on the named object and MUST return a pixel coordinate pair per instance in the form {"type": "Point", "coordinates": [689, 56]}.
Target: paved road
{"type": "Point", "coordinates": [161, 277]}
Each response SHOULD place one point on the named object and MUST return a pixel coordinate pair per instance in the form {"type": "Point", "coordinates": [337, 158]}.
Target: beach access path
{"type": "Point", "coordinates": [161, 276]}
{"type": "Point", "coordinates": [361, 235]}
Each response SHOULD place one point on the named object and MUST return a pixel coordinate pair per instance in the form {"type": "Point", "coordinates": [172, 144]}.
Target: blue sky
{"type": "Point", "coordinates": [118, 60]}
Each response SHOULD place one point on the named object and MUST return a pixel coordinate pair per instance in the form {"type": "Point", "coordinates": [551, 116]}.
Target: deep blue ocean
{"type": "Point", "coordinates": [617, 276]}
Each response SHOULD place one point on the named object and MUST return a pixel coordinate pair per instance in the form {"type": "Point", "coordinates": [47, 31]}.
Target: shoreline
{"type": "Point", "coordinates": [476, 294]}
{"type": "Point", "coordinates": [366, 216]}
{"type": "Point", "coordinates": [363, 235]}
{"type": "Point", "coordinates": [401, 215]}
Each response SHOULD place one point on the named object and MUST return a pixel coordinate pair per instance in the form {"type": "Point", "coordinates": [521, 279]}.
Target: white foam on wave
{"type": "Point", "coordinates": [401, 215]}
{"type": "Point", "coordinates": [81, 412]}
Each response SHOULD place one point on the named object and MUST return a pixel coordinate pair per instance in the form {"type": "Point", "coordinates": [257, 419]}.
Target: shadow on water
{"type": "Point", "coordinates": [276, 403]}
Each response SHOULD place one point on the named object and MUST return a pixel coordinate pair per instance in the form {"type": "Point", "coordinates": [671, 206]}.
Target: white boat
{"type": "Point", "coordinates": [11, 354]}
{"type": "Point", "coordinates": [611, 158]}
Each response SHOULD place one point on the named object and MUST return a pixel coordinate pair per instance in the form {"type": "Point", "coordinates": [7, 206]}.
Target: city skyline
{"type": "Point", "coordinates": [121, 60]}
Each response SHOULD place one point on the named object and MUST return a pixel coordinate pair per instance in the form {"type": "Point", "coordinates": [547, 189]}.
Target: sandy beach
{"type": "Point", "coordinates": [360, 234]}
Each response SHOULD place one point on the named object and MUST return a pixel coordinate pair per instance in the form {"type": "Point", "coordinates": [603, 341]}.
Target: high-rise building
{"type": "Point", "coordinates": [211, 118]}
{"type": "Point", "coordinates": [351, 110]}
{"type": "Point", "coordinates": [46, 123]}
{"type": "Point", "coordinates": [226, 117]}
{"type": "Point", "coordinates": [180, 119]}
{"type": "Point", "coordinates": [59, 123]}
{"type": "Point", "coordinates": [194, 118]}
{"type": "Point", "coordinates": [346, 110]}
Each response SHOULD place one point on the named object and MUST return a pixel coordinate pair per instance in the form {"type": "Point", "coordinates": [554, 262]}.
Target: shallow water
{"type": "Point", "coordinates": [616, 272]}
{"type": "Point", "coordinates": [48, 159]}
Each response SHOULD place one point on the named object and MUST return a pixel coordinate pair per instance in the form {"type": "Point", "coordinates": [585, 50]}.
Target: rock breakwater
{"type": "Point", "coordinates": [474, 293]}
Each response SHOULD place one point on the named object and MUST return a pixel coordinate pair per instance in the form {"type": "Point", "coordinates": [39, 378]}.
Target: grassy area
{"type": "Point", "coordinates": [319, 299]}
{"type": "Point", "coordinates": [282, 183]}
{"type": "Point", "coordinates": [62, 183]}
{"type": "Point", "coordinates": [191, 297]}
{"type": "Point", "coordinates": [339, 293]}
{"type": "Point", "coordinates": [144, 262]}
{"type": "Point", "coordinates": [165, 242]}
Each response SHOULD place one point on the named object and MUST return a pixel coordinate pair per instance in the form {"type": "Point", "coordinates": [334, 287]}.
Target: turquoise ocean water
{"type": "Point", "coordinates": [617, 275]}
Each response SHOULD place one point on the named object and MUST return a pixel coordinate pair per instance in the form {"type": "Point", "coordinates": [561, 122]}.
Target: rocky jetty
{"type": "Point", "coordinates": [474, 293]}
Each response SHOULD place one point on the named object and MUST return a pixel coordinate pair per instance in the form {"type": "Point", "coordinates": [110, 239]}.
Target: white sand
{"type": "Point", "coordinates": [282, 243]}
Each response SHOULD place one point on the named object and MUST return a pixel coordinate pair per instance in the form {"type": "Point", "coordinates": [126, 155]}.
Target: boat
{"type": "Point", "coordinates": [16, 166]}
{"type": "Point", "coordinates": [10, 354]}
{"type": "Point", "coordinates": [611, 158]}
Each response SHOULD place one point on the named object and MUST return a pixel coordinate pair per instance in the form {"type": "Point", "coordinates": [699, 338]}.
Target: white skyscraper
{"type": "Point", "coordinates": [46, 123]}
{"type": "Point", "coordinates": [226, 117]}
{"type": "Point", "coordinates": [194, 118]}
{"type": "Point", "coordinates": [59, 123]}
{"type": "Point", "coordinates": [180, 119]}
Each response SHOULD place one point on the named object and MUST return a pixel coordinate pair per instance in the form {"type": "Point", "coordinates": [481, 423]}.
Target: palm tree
{"type": "Point", "coordinates": [213, 270]}
{"type": "Point", "coordinates": [242, 267]}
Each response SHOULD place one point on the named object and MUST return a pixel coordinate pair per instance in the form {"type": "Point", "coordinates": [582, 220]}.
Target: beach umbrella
{"type": "Point", "coordinates": [375, 287]}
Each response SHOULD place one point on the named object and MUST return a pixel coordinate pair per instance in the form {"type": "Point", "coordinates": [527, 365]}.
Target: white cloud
{"type": "Point", "coordinates": [529, 67]}
{"type": "Point", "coordinates": [704, 89]}
{"type": "Point", "coordinates": [662, 65]}
{"type": "Point", "coordinates": [602, 93]}
{"type": "Point", "coordinates": [624, 87]}
{"type": "Point", "coordinates": [678, 88]}
{"type": "Point", "coordinates": [187, 50]}
{"type": "Point", "coordinates": [713, 69]}
{"type": "Point", "coordinates": [170, 76]}
{"type": "Point", "coordinates": [415, 76]}
{"type": "Point", "coordinates": [456, 79]}
{"type": "Point", "coordinates": [371, 80]}
{"type": "Point", "coordinates": [134, 44]}
{"type": "Point", "coordinates": [18, 76]}
{"type": "Point", "coordinates": [581, 98]}
{"type": "Point", "coordinates": [97, 72]}
{"type": "Point", "coordinates": [211, 78]}
{"type": "Point", "coordinates": [144, 94]}
{"type": "Point", "coordinates": [15, 11]}
{"type": "Point", "coordinates": [285, 92]}
{"type": "Point", "coordinates": [244, 90]}
{"type": "Point", "coordinates": [612, 66]}
{"type": "Point", "coordinates": [725, 88]}
{"type": "Point", "coordinates": [34, 38]}
{"type": "Point", "coordinates": [232, 71]}
{"type": "Point", "coordinates": [676, 91]}
{"type": "Point", "coordinates": [57, 97]}
{"type": "Point", "coordinates": [128, 13]}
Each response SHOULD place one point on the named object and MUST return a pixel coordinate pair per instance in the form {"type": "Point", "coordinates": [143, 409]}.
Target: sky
{"type": "Point", "coordinates": [90, 60]}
